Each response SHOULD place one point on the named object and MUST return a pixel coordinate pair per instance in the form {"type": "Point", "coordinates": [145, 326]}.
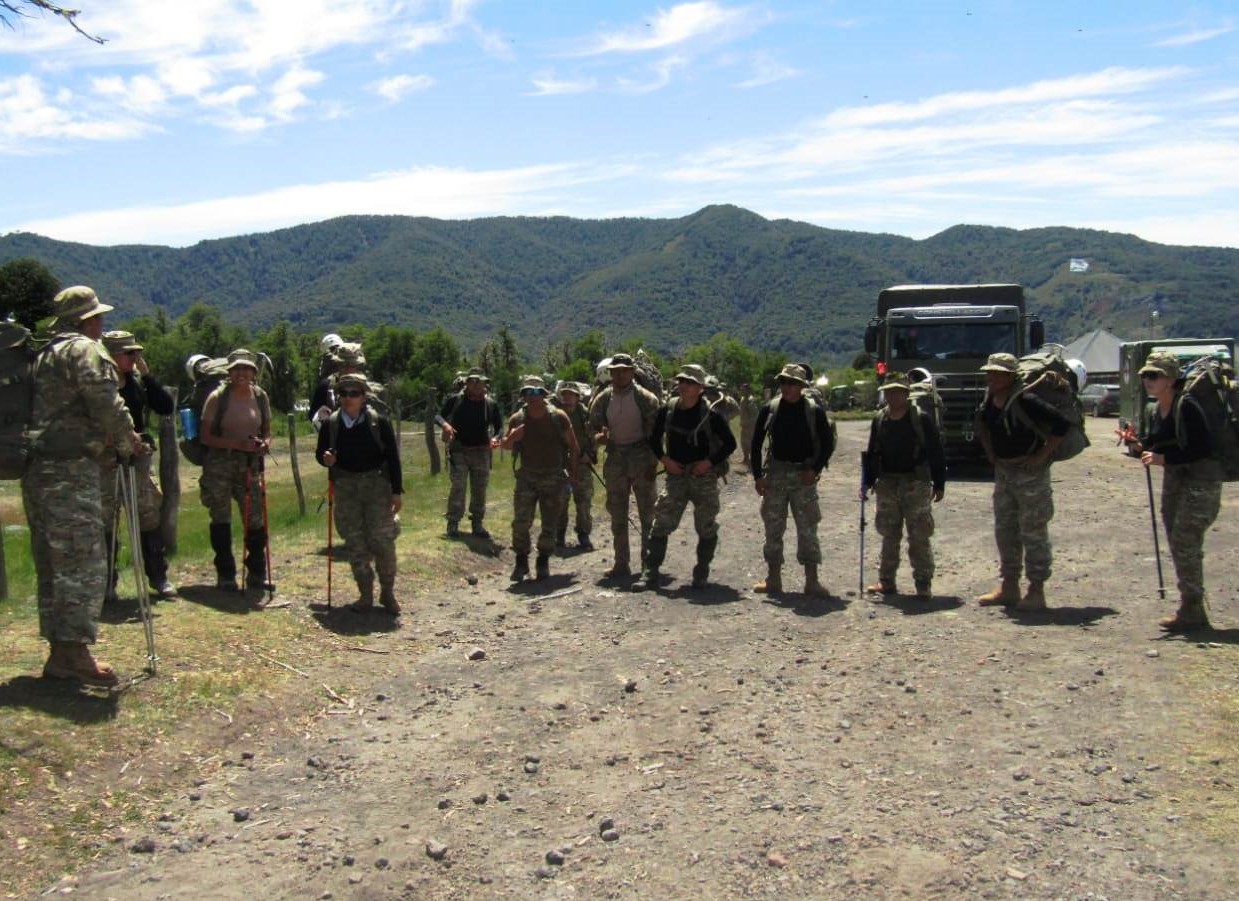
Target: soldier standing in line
{"type": "Point", "coordinates": [471, 428]}
{"type": "Point", "coordinates": [719, 400]}
{"type": "Point", "coordinates": [139, 390]}
{"type": "Point", "coordinates": [548, 450]}
{"type": "Point", "coordinates": [749, 405]}
{"type": "Point", "coordinates": [1179, 440]}
{"type": "Point", "coordinates": [570, 401]}
{"type": "Point", "coordinates": [699, 441]}
{"type": "Point", "coordinates": [907, 464]}
{"type": "Point", "coordinates": [801, 443]}
{"type": "Point", "coordinates": [622, 416]}
{"type": "Point", "coordinates": [78, 418]}
{"type": "Point", "coordinates": [236, 430]}
{"type": "Point", "coordinates": [1023, 499]}
{"type": "Point", "coordinates": [359, 446]}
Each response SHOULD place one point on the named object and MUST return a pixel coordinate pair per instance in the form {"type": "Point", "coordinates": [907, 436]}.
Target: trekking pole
{"type": "Point", "coordinates": [331, 512]}
{"type": "Point", "coordinates": [864, 497]}
{"type": "Point", "coordinates": [129, 494]}
{"type": "Point", "coordinates": [1157, 545]}
{"type": "Point", "coordinates": [266, 530]}
{"type": "Point", "coordinates": [118, 486]}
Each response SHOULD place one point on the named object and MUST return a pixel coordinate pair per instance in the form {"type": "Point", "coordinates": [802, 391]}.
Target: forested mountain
{"type": "Point", "coordinates": [774, 284]}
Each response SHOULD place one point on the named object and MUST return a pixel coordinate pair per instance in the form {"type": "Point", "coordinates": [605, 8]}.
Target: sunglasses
{"type": "Point", "coordinates": [132, 353]}
{"type": "Point", "coordinates": [352, 392]}
{"type": "Point", "coordinates": [1151, 376]}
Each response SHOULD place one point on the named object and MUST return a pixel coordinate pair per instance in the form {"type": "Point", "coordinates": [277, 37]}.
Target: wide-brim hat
{"type": "Point", "coordinates": [476, 375]}
{"type": "Point", "coordinates": [77, 303]}
{"type": "Point", "coordinates": [622, 361]}
{"type": "Point", "coordinates": [533, 384]}
{"type": "Point", "coordinates": [895, 380]}
{"type": "Point", "coordinates": [120, 342]}
{"type": "Point", "coordinates": [1001, 363]}
{"type": "Point", "coordinates": [564, 387]}
{"type": "Point", "coordinates": [691, 372]}
{"type": "Point", "coordinates": [242, 357]}
{"type": "Point", "coordinates": [1161, 363]}
{"type": "Point", "coordinates": [793, 372]}
{"type": "Point", "coordinates": [352, 380]}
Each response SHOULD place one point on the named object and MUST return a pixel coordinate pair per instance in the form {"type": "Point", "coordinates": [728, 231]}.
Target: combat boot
{"type": "Point", "coordinates": [256, 560]}
{"type": "Point", "coordinates": [1005, 595]}
{"type": "Point", "coordinates": [521, 569]}
{"type": "Point", "coordinates": [1190, 617]}
{"type": "Point", "coordinates": [924, 590]}
{"type": "Point", "coordinates": [882, 586]}
{"type": "Point", "coordinates": [773, 583]}
{"type": "Point", "coordinates": [705, 554]}
{"type": "Point", "coordinates": [582, 541]}
{"type": "Point", "coordinates": [73, 660]}
{"type": "Point", "coordinates": [225, 563]}
{"type": "Point", "coordinates": [561, 537]}
{"type": "Point", "coordinates": [542, 567]}
{"type": "Point", "coordinates": [655, 553]}
{"type": "Point", "coordinates": [1034, 598]}
{"type": "Point", "coordinates": [812, 587]}
{"type": "Point", "coordinates": [156, 562]}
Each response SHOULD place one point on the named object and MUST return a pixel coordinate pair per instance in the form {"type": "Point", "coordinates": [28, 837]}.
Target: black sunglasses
{"type": "Point", "coordinates": [1151, 376]}
{"type": "Point", "coordinates": [352, 392]}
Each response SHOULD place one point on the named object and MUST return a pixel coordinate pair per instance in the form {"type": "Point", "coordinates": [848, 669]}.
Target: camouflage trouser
{"type": "Point", "coordinates": [1189, 507]}
{"type": "Point", "coordinates": [905, 500]}
{"type": "Point", "coordinates": [1023, 508]}
{"type": "Point", "coordinates": [629, 469]}
{"type": "Point", "coordinates": [149, 497]}
{"type": "Point", "coordinates": [470, 466]}
{"type": "Point", "coordinates": [223, 480]}
{"type": "Point", "coordinates": [677, 492]}
{"type": "Point", "coordinates": [582, 500]}
{"type": "Point", "coordinates": [784, 490]}
{"type": "Point", "coordinates": [543, 491]}
{"type": "Point", "coordinates": [746, 439]}
{"type": "Point", "coordinates": [366, 524]}
{"type": "Point", "coordinates": [63, 511]}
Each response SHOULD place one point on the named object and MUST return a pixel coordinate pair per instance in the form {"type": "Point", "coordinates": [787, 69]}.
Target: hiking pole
{"type": "Point", "coordinates": [864, 497]}
{"type": "Point", "coordinates": [133, 522]}
{"type": "Point", "coordinates": [331, 512]}
{"type": "Point", "coordinates": [118, 486]}
{"type": "Point", "coordinates": [1157, 545]}
{"type": "Point", "coordinates": [266, 530]}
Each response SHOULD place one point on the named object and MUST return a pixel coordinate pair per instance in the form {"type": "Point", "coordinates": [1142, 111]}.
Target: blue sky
{"type": "Point", "coordinates": [208, 118]}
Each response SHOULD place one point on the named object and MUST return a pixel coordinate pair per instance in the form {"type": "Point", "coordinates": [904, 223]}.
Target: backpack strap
{"type": "Point", "coordinates": [810, 415]}
{"type": "Point", "coordinates": [221, 405]}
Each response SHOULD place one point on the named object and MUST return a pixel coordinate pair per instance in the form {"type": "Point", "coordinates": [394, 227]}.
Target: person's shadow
{"type": "Point", "coordinates": [910, 605]}
{"type": "Point", "coordinates": [224, 601]}
{"type": "Point", "coordinates": [535, 588]}
{"type": "Point", "coordinates": [61, 698]}
{"type": "Point", "coordinates": [1203, 636]}
{"type": "Point", "coordinates": [342, 619]}
{"type": "Point", "coordinates": [1060, 616]}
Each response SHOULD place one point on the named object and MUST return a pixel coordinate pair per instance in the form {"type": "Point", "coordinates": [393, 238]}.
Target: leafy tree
{"type": "Point", "coordinates": [280, 346]}
{"type": "Point", "coordinates": [26, 291]}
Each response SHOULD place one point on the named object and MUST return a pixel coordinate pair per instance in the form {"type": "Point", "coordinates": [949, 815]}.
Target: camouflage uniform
{"type": "Point", "coordinates": [905, 499]}
{"type": "Point", "coordinates": [1023, 508]}
{"type": "Point", "coordinates": [366, 524]}
{"type": "Point", "coordinates": [226, 476]}
{"type": "Point", "coordinates": [785, 490]}
{"type": "Point", "coordinates": [749, 405]}
{"type": "Point", "coordinates": [1191, 499]}
{"type": "Point", "coordinates": [583, 490]}
{"type": "Point", "coordinates": [539, 489]}
{"type": "Point", "coordinates": [81, 418]}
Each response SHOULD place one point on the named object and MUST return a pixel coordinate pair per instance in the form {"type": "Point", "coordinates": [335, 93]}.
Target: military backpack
{"type": "Point", "coordinates": [693, 435]}
{"type": "Point", "coordinates": [1047, 376]}
{"type": "Point", "coordinates": [1213, 390]}
{"type": "Point", "coordinates": [212, 380]}
{"type": "Point", "coordinates": [17, 355]}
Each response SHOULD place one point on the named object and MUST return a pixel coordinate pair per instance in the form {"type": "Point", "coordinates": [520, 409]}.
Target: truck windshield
{"type": "Point", "coordinates": [951, 340]}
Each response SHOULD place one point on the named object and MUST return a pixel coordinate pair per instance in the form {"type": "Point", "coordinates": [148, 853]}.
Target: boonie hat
{"type": "Point", "coordinates": [78, 302]}
{"type": "Point", "coordinates": [895, 380]}
{"type": "Point", "coordinates": [1161, 363]}
{"type": "Point", "coordinates": [622, 361]}
{"type": "Point", "coordinates": [1001, 363]}
{"type": "Point", "coordinates": [691, 372]}
{"type": "Point", "coordinates": [352, 380]}
{"type": "Point", "coordinates": [242, 357]}
{"type": "Point", "coordinates": [120, 342]}
{"type": "Point", "coordinates": [533, 384]}
{"type": "Point", "coordinates": [793, 372]}
{"type": "Point", "coordinates": [565, 386]}
{"type": "Point", "coordinates": [476, 375]}
{"type": "Point", "coordinates": [349, 354]}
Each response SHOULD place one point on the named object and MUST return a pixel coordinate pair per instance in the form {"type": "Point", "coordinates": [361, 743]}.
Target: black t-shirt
{"type": "Point", "coordinates": [895, 442]}
{"type": "Point", "coordinates": [1163, 437]}
{"type": "Point", "coordinates": [138, 397]}
{"type": "Point", "coordinates": [356, 450]}
{"type": "Point", "coordinates": [686, 443]}
{"type": "Point", "coordinates": [1011, 436]}
{"type": "Point", "coordinates": [475, 421]}
{"type": "Point", "coordinates": [790, 438]}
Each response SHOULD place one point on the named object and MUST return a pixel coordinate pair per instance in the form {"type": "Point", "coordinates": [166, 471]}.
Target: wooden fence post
{"type": "Point", "coordinates": [292, 453]}
{"type": "Point", "coordinates": [4, 573]}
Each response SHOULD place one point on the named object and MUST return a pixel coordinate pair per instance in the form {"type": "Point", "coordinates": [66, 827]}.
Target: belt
{"type": "Point", "coordinates": [630, 444]}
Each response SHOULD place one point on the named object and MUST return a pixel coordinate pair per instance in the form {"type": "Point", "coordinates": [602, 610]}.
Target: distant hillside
{"type": "Point", "coordinates": [778, 285]}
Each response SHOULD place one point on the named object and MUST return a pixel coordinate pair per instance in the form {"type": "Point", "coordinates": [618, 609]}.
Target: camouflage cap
{"type": "Point", "coordinates": [793, 372]}
{"type": "Point", "coordinates": [533, 384]}
{"type": "Point", "coordinates": [565, 387]}
{"type": "Point", "coordinates": [1161, 362]}
{"type": "Point", "coordinates": [119, 342]}
{"type": "Point", "coordinates": [352, 380]}
{"type": "Point", "coordinates": [476, 375]}
{"type": "Point", "coordinates": [349, 354]}
{"type": "Point", "coordinates": [895, 380]}
{"type": "Point", "coordinates": [713, 383]}
{"type": "Point", "coordinates": [691, 372]}
{"type": "Point", "coordinates": [1001, 363]}
{"type": "Point", "coordinates": [622, 361]}
{"type": "Point", "coordinates": [242, 357]}
{"type": "Point", "coordinates": [77, 303]}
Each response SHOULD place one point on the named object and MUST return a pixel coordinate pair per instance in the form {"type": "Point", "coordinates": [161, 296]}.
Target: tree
{"type": "Point", "coordinates": [26, 291]}
{"type": "Point", "coordinates": [20, 9]}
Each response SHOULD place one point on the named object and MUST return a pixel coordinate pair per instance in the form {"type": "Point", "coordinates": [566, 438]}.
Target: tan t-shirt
{"type": "Point", "coordinates": [242, 417]}
{"type": "Point", "coordinates": [624, 418]}
{"type": "Point", "coordinates": [544, 445]}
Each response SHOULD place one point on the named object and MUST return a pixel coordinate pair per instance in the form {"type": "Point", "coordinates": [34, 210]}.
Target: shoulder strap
{"type": "Point", "coordinates": [220, 393]}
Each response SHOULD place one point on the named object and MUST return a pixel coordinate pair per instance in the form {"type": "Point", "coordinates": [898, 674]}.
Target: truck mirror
{"type": "Point", "coordinates": [871, 339]}
{"type": "Point", "coordinates": [1036, 333]}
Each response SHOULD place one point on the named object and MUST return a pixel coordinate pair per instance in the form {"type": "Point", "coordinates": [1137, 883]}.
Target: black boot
{"type": "Point", "coordinates": [655, 553]}
{"type": "Point", "coordinates": [705, 553]}
{"type": "Point", "coordinates": [256, 560]}
{"type": "Point", "coordinates": [582, 541]}
{"type": "Point", "coordinates": [542, 567]}
{"type": "Point", "coordinates": [156, 564]}
{"type": "Point", "coordinates": [225, 563]}
{"type": "Point", "coordinates": [561, 537]}
{"type": "Point", "coordinates": [521, 570]}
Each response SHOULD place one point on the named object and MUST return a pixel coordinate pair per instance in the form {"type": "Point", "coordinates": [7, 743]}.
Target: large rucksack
{"type": "Point", "coordinates": [1207, 383]}
{"type": "Point", "coordinates": [1046, 375]}
{"type": "Point", "coordinates": [647, 374]}
{"type": "Point", "coordinates": [713, 442]}
{"type": "Point", "coordinates": [17, 354]}
{"type": "Point", "coordinates": [212, 379]}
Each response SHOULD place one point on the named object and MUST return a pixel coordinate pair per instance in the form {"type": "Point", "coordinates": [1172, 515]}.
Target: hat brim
{"type": "Point", "coordinates": [989, 368]}
{"type": "Point", "coordinates": [235, 363]}
{"type": "Point", "coordinates": [1156, 370]}
{"type": "Point", "coordinates": [99, 310]}
{"type": "Point", "coordinates": [791, 380]}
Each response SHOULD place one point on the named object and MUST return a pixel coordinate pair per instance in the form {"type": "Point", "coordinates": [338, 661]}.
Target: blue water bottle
{"type": "Point", "coordinates": [189, 423]}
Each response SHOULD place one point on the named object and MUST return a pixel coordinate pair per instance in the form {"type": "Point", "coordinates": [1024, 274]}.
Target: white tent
{"type": "Point", "coordinates": [1099, 351]}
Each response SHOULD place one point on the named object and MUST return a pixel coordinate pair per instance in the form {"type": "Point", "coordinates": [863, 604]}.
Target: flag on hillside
{"type": "Point", "coordinates": [1078, 265]}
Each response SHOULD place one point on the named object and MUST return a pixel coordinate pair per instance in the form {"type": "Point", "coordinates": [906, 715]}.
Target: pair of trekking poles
{"type": "Point", "coordinates": [256, 465]}
{"type": "Point", "coordinates": [126, 488]}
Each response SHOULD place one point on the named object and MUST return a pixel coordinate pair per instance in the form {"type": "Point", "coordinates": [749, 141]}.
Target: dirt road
{"type": "Point", "coordinates": [711, 744]}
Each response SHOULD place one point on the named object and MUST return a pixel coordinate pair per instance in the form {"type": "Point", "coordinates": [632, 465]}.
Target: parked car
{"type": "Point", "coordinates": [1100, 400]}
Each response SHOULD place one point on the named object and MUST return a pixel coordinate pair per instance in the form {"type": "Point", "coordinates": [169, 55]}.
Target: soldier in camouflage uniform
{"type": "Point", "coordinates": [622, 417]}
{"type": "Point", "coordinates": [236, 430]}
{"type": "Point", "coordinates": [139, 390]}
{"type": "Point", "coordinates": [699, 441]}
{"type": "Point", "coordinates": [906, 469]}
{"type": "Point", "coordinates": [78, 418]}
{"type": "Point", "coordinates": [359, 446]}
{"type": "Point", "coordinates": [801, 443]}
{"type": "Point", "coordinates": [546, 443]}
{"type": "Point", "coordinates": [749, 405]}
{"type": "Point", "coordinates": [1023, 499]}
{"type": "Point", "coordinates": [719, 400]}
{"type": "Point", "coordinates": [1179, 439]}
{"type": "Point", "coordinates": [570, 401]}
{"type": "Point", "coordinates": [471, 425]}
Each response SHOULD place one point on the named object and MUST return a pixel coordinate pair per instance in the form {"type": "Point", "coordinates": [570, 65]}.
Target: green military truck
{"type": "Point", "coordinates": [1133, 402]}
{"type": "Point", "coordinates": [945, 333]}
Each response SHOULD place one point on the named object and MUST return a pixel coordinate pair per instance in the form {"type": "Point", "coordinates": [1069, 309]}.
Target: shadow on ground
{"type": "Point", "coordinates": [61, 698]}
{"type": "Point", "coordinates": [342, 619]}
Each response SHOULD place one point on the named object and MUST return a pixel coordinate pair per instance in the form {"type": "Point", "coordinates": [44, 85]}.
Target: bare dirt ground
{"type": "Point", "coordinates": [712, 744]}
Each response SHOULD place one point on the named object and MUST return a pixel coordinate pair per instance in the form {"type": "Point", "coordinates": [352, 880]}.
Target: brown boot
{"type": "Point", "coordinates": [773, 583]}
{"type": "Point", "coordinates": [1005, 595]}
{"type": "Point", "coordinates": [1034, 598]}
{"type": "Point", "coordinates": [924, 590]}
{"type": "Point", "coordinates": [812, 587]}
{"type": "Point", "coordinates": [1190, 617]}
{"type": "Point", "coordinates": [73, 660]}
{"type": "Point", "coordinates": [882, 586]}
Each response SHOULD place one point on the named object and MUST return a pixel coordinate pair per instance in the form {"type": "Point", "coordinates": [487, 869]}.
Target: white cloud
{"type": "Point", "coordinates": [547, 85]}
{"type": "Point", "coordinates": [767, 70]}
{"type": "Point", "coordinates": [662, 72]}
{"type": "Point", "coordinates": [287, 96]}
{"type": "Point", "coordinates": [30, 119]}
{"type": "Point", "coordinates": [680, 24]}
{"type": "Point", "coordinates": [1195, 36]}
{"type": "Point", "coordinates": [396, 88]}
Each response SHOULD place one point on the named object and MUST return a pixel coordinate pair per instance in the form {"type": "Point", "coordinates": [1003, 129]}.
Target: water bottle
{"type": "Point", "coordinates": [189, 423]}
